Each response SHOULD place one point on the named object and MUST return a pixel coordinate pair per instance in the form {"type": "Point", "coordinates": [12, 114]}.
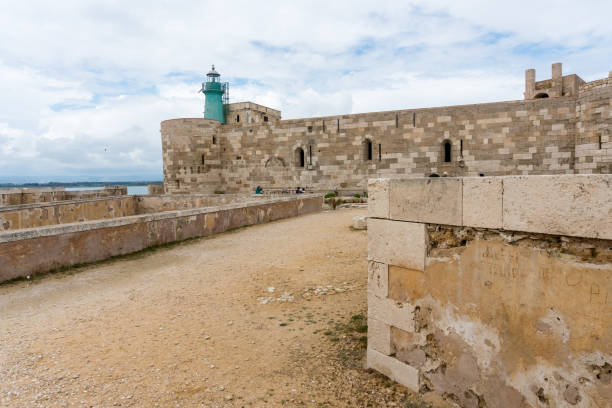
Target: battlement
{"type": "Point", "coordinates": [597, 84]}
{"type": "Point", "coordinates": [249, 112]}
{"type": "Point", "coordinates": [555, 87]}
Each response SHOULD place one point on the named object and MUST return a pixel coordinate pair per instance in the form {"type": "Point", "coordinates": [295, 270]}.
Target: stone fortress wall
{"type": "Point", "coordinates": [493, 291]}
{"type": "Point", "coordinates": [564, 126]}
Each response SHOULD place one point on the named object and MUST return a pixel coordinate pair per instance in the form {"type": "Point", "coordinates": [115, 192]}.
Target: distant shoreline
{"type": "Point", "coordinates": [80, 184]}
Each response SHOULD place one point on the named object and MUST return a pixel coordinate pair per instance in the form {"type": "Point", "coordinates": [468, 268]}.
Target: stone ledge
{"type": "Point", "coordinates": [429, 200]}
{"type": "Point", "coordinates": [569, 204]}
{"type": "Point", "coordinates": [482, 202]}
{"type": "Point", "coordinates": [574, 205]}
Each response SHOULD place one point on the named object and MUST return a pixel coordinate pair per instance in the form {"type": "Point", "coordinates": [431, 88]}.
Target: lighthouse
{"type": "Point", "coordinates": [217, 95]}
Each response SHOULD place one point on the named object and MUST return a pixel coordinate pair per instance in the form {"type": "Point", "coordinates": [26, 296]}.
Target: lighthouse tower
{"type": "Point", "coordinates": [217, 94]}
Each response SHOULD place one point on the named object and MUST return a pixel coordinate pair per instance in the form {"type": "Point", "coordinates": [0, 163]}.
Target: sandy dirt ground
{"type": "Point", "coordinates": [265, 316]}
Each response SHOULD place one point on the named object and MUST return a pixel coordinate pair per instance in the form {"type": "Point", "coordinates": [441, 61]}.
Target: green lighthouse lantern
{"type": "Point", "coordinates": [217, 95]}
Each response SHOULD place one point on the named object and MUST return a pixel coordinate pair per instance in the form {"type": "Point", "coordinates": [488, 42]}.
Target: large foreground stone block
{"type": "Point", "coordinates": [575, 205]}
{"type": "Point", "coordinates": [378, 198]}
{"type": "Point", "coordinates": [397, 243]}
{"type": "Point", "coordinates": [427, 200]}
{"type": "Point", "coordinates": [482, 202]}
{"type": "Point", "coordinates": [396, 370]}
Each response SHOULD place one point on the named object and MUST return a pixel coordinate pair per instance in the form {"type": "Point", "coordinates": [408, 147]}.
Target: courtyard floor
{"type": "Point", "coordinates": [265, 316]}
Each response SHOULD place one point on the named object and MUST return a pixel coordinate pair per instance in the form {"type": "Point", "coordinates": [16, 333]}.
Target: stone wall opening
{"type": "Point", "coordinates": [367, 149]}
{"type": "Point", "coordinates": [299, 157]}
{"type": "Point", "coordinates": [447, 151]}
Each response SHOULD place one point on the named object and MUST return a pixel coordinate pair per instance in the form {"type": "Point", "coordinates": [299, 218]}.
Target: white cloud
{"type": "Point", "coordinates": [84, 85]}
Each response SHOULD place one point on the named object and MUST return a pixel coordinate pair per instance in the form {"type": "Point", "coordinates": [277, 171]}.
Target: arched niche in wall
{"type": "Point", "coordinates": [274, 162]}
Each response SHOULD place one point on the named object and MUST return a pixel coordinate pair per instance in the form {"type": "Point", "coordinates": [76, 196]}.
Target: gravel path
{"type": "Point", "coordinates": [270, 315]}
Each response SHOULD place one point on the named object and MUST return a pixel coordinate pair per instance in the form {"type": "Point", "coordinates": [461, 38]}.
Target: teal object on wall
{"type": "Point", "coordinates": [214, 90]}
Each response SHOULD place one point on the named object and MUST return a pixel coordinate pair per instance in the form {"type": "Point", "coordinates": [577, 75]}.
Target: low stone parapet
{"type": "Point", "coordinates": [53, 194]}
{"type": "Point", "coordinates": [493, 291]}
{"type": "Point", "coordinates": [155, 189]}
{"type": "Point", "coordinates": [27, 252]}
{"type": "Point", "coordinates": [35, 215]}
{"type": "Point", "coordinates": [16, 217]}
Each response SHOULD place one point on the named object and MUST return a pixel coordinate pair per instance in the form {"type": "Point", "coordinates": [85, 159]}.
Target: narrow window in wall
{"type": "Point", "coordinates": [324, 126]}
{"type": "Point", "coordinates": [310, 155]}
{"type": "Point", "coordinates": [203, 161]}
{"type": "Point", "coordinates": [599, 142]}
{"type": "Point", "coordinates": [461, 147]}
{"type": "Point", "coordinates": [237, 118]}
{"type": "Point", "coordinates": [413, 119]}
{"type": "Point", "coordinates": [309, 129]}
{"type": "Point", "coordinates": [396, 120]}
{"type": "Point", "coordinates": [379, 152]}
{"type": "Point", "coordinates": [368, 149]}
{"type": "Point", "coordinates": [338, 124]}
{"type": "Point", "coordinates": [447, 152]}
{"type": "Point", "coordinates": [299, 157]}
{"type": "Point", "coordinates": [214, 139]}
{"type": "Point", "coordinates": [178, 183]}
{"type": "Point", "coordinates": [265, 118]}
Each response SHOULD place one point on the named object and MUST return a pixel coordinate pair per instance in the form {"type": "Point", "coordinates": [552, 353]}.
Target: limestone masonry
{"type": "Point", "coordinates": [493, 291]}
{"type": "Point", "coordinates": [44, 237]}
{"type": "Point", "coordinates": [564, 126]}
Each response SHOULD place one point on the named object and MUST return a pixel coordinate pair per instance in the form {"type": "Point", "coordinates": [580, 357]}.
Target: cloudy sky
{"type": "Point", "coordinates": [85, 84]}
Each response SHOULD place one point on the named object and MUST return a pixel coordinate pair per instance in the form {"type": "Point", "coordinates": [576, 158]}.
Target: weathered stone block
{"type": "Point", "coordinates": [575, 205]}
{"type": "Point", "coordinates": [391, 313]}
{"type": "Point", "coordinates": [378, 279]}
{"type": "Point", "coordinates": [396, 370]}
{"type": "Point", "coordinates": [397, 243]}
{"type": "Point", "coordinates": [482, 202]}
{"type": "Point", "coordinates": [379, 336]}
{"type": "Point", "coordinates": [378, 198]}
{"type": "Point", "coordinates": [427, 200]}
{"type": "Point", "coordinates": [360, 222]}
